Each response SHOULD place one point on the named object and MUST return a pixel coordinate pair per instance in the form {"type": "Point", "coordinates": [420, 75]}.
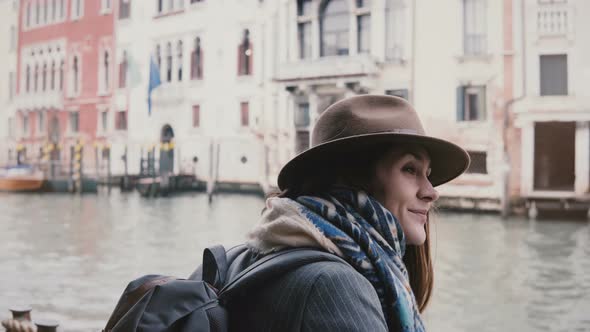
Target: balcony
{"type": "Point", "coordinates": [39, 100]}
{"type": "Point", "coordinates": [327, 67]}
{"type": "Point", "coordinates": [554, 20]}
{"type": "Point", "coordinates": [169, 94]}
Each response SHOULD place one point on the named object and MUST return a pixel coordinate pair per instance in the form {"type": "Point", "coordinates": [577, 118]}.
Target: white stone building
{"type": "Point", "coordinates": [208, 109]}
{"type": "Point", "coordinates": [553, 111]}
{"type": "Point", "coordinates": [8, 77]}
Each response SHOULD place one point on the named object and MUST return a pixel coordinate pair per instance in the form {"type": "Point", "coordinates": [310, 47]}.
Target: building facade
{"type": "Point", "coordinates": [553, 110]}
{"type": "Point", "coordinates": [206, 116]}
{"type": "Point", "coordinates": [8, 74]}
{"type": "Point", "coordinates": [64, 79]}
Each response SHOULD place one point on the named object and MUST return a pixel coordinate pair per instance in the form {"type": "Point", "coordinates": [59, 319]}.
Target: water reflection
{"type": "Point", "coordinates": [70, 257]}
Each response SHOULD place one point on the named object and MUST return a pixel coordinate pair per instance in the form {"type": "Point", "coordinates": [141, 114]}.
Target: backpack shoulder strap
{"type": "Point", "coordinates": [273, 265]}
{"type": "Point", "coordinates": [215, 266]}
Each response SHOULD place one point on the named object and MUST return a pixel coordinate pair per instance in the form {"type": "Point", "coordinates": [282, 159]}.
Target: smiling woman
{"type": "Point", "coordinates": [362, 192]}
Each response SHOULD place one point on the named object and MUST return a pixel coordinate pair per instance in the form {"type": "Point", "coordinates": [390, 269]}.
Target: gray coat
{"type": "Point", "coordinates": [322, 296]}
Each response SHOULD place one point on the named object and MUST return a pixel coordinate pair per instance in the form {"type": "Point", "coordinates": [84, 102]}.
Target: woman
{"type": "Point", "coordinates": [363, 191]}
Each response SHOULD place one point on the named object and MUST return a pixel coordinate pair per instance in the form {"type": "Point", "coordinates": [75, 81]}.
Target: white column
{"type": "Point", "coordinates": [528, 159]}
{"type": "Point", "coordinates": [582, 182]}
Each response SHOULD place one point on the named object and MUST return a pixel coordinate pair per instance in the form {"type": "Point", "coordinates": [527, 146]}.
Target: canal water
{"type": "Point", "coordinates": [70, 257]}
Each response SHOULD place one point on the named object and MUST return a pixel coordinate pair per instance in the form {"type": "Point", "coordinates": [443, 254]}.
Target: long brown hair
{"type": "Point", "coordinates": [359, 173]}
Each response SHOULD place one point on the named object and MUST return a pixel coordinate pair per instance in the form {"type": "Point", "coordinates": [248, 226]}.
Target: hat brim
{"type": "Point", "coordinates": [447, 160]}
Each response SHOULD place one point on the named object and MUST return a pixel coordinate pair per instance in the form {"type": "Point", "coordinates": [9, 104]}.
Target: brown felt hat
{"type": "Point", "coordinates": [360, 122]}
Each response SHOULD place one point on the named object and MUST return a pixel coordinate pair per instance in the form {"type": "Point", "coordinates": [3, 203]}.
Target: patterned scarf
{"type": "Point", "coordinates": [360, 230]}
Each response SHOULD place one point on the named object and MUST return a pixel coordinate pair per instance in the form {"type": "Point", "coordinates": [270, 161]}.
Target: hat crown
{"type": "Point", "coordinates": [364, 115]}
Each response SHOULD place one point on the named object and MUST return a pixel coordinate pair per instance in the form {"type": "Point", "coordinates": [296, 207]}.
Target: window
{"type": "Point", "coordinates": [304, 30]}
{"type": "Point", "coordinates": [304, 7]}
{"type": "Point", "coordinates": [105, 71]}
{"type": "Point", "coordinates": [75, 76]}
{"type": "Point", "coordinates": [10, 127]}
{"type": "Point", "coordinates": [179, 56]}
{"type": "Point", "coordinates": [37, 13]}
{"type": "Point", "coordinates": [171, 5]}
{"type": "Point", "coordinates": [364, 33]}
{"type": "Point", "coordinates": [41, 120]}
{"type": "Point", "coordinates": [44, 77]}
{"type": "Point", "coordinates": [124, 9]}
{"type": "Point", "coordinates": [25, 124]}
{"type": "Point", "coordinates": [53, 10]}
{"type": "Point", "coordinates": [103, 120]}
{"type": "Point", "coordinates": [474, 27]}
{"type": "Point", "coordinates": [553, 76]}
{"type": "Point", "coordinates": [45, 12]}
{"type": "Point", "coordinates": [402, 93]}
{"type": "Point", "coordinates": [478, 162]}
{"type": "Point", "coordinates": [245, 114]}
{"type": "Point", "coordinates": [471, 103]}
{"type": "Point", "coordinates": [245, 55]}
{"type": "Point", "coordinates": [334, 20]}
{"type": "Point", "coordinates": [35, 78]}
{"type": "Point", "coordinates": [28, 79]}
{"type": "Point", "coordinates": [52, 79]}
{"type": "Point", "coordinates": [197, 61]}
{"type": "Point", "coordinates": [28, 19]}
{"type": "Point", "coordinates": [105, 6]}
{"type": "Point", "coordinates": [195, 1]}
{"type": "Point", "coordinates": [77, 9]}
{"type": "Point", "coordinates": [10, 85]}
{"type": "Point", "coordinates": [363, 3]}
{"type": "Point", "coordinates": [169, 62]}
{"type": "Point", "coordinates": [61, 76]}
{"type": "Point", "coordinates": [160, 6]}
{"type": "Point", "coordinates": [12, 38]}
{"type": "Point", "coordinates": [74, 122]}
{"type": "Point", "coordinates": [196, 116]}
{"type": "Point", "coordinates": [62, 9]}
{"type": "Point", "coordinates": [121, 120]}
{"type": "Point", "coordinates": [302, 115]}
{"type": "Point", "coordinates": [123, 71]}
{"type": "Point", "coordinates": [158, 56]}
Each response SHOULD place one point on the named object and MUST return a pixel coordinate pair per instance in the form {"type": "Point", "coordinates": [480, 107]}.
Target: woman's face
{"type": "Point", "coordinates": [402, 186]}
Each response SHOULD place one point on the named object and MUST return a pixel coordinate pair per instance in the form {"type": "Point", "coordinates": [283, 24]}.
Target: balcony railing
{"type": "Point", "coordinates": [554, 19]}
{"type": "Point", "coordinates": [327, 67]}
{"type": "Point", "coordinates": [39, 100]}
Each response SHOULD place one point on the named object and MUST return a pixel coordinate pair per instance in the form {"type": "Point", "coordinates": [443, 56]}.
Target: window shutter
{"type": "Point", "coordinates": [460, 103]}
{"type": "Point", "coordinates": [250, 61]}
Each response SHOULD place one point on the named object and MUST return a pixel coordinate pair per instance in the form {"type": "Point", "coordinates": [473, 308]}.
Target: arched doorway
{"type": "Point", "coordinates": [167, 150]}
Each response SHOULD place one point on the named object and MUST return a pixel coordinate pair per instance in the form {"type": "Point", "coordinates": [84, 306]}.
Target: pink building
{"type": "Point", "coordinates": [64, 77]}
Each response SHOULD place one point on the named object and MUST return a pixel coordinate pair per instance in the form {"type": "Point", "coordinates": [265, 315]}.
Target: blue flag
{"type": "Point", "coordinates": [154, 82]}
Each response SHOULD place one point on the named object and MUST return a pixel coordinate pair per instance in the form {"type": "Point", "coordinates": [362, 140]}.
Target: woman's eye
{"type": "Point", "coordinates": [410, 169]}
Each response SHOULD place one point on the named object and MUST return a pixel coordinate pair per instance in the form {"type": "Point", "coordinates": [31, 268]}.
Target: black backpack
{"type": "Point", "coordinates": [156, 303]}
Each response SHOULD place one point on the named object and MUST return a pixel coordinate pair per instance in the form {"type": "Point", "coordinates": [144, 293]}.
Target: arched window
{"type": "Point", "coordinates": [45, 11]}
{"type": "Point", "coordinates": [158, 56]}
{"type": "Point", "coordinates": [28, 19]}
{"type": "Point", "coordinates": [37, 12]}
{"type": "Point", "coordinates": [35, 76]}
{"type": "Point", "coordinates": [28, 79]}
{"type": "Point", "coordinates": [61, 75]}
{"type": "Point", "coordinates": [245, 55]}
{"type": "Point", "coordinates": [44, 77]}
{"type": "Point", "coordinates": [169, 62]}
{"type": "Point", "coordinates": [106, 68]}
{"type": "Point", "coordinates": [179, 56]}
{"type": "Point", "coordinates": [75, 74]}
{"type": "Point", "coordinates": [53, 10]}
{"type": "Point", "coordinates": [334, 27]}
{"type": "Point", "coordinates": [123, 70]}
{"type": "Point", "coordinates": [52, 80]}
{"type": "Point", "coordinates": [197, 61]}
